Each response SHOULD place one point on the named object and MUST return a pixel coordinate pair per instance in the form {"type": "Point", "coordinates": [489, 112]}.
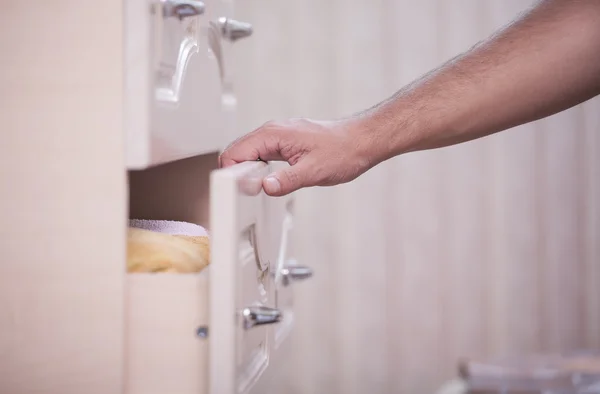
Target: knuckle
{"type": "Point", "coordinates": [270, 125]}
{"type": "Point", "coordinates": [288, 151]}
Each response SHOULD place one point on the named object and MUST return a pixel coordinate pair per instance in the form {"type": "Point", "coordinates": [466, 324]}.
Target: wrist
{"type": "Point", "coordinates": [382, 136]}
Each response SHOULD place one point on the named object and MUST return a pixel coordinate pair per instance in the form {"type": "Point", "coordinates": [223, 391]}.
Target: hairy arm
{"type": "Point", "coordinates": [544, 62]}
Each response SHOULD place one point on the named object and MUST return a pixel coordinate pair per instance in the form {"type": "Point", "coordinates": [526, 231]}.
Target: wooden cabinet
{"type": "Point", "coordinates": [114, 110]}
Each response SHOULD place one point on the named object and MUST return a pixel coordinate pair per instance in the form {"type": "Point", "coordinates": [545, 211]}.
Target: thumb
{"type": "Point", "coordinates": [287, 180]}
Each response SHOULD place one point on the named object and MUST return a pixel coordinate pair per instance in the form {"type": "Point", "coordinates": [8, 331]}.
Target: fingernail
{"type": "Point", "coordinates": [272, 185]}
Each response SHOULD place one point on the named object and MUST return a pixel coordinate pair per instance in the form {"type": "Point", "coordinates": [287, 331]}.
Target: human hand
{"type": "Point", "coordinates": [319, 153]}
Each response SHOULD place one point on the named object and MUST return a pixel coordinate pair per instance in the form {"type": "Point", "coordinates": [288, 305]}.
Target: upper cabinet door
{"type": "Point", "coordinates": [173, 80]}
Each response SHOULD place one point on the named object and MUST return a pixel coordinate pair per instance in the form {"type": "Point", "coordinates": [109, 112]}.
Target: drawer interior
{"type": "Point", "coordinates": [168, 314]}
{"type": "Point", "coordinates": [178, 190]}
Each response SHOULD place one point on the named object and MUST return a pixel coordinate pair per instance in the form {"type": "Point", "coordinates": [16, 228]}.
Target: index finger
{"type": "Point", "coordinates": [261, 144]}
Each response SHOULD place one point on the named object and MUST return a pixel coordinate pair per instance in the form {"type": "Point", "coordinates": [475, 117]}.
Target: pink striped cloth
{"type": "Point", "coordinates": [169, 227]}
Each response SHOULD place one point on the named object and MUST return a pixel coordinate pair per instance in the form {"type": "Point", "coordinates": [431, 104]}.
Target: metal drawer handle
{"type": "Point", "coordinates": [182, 8]}
{"type": "Point", "coordinates": [233, 30]}
{"type": "Point", "coordinates": [295, 273]}
{"type": "Point", "coordinates": [260, 315]}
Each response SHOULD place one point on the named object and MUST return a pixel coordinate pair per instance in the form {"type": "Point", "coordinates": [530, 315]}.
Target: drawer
{"type": "Point", "coordinates": [178, 100]}
{"type": "Point", "coordinates": [214, 332]}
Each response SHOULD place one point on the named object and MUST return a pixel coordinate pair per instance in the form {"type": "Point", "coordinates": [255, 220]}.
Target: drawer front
{"type": "Point", "coordinates": [242, 304]}
{"type": "Point", "coordinates": [174, 90]}
{"type": "Point", "coordinates": [165, 351]}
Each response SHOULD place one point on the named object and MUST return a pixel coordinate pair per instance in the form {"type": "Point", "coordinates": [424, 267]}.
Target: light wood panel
{"type": "Point", "coordinates": [563, 238]}
{"type": "Point", "coordinates": [592, 222]}
{"type": "Point", "coordinates": [63, 198]}
{"type": "Point", "coordinates": [514, 223]}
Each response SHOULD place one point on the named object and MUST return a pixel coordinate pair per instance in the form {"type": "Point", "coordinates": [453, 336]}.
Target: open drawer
{"type": "Point", "coordinates": [215, 331]}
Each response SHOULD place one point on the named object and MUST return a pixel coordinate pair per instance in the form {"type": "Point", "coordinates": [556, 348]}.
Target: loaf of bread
{"type": "Point", "coordinates": [149, 251]}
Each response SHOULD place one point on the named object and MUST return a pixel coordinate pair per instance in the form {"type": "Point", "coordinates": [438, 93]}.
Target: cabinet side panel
{"type": "Point", "coordinates": [63, 211]}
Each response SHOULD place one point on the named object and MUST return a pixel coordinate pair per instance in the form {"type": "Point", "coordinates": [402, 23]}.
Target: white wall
{"type": "Point", "coordinates": [486, 248]}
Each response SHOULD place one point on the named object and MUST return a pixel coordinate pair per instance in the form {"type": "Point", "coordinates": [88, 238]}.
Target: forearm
{"type": "Point", "coordinates": [545, 62]}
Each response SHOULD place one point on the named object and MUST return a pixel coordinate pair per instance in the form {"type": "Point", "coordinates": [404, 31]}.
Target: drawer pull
{"type": "Point", "coordinates": [182, 8]}
{"type": "Point", "coordinates": [260, 315]}
{"type": "Point", "coordinates": [295, 273]}
{"type": "Point", "coordinates": [233, 30]}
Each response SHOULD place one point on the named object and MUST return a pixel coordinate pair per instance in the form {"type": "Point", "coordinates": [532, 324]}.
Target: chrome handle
{"type": "Point", "coordinates": [233, 30]}
{"type": "Point", "coordinates": [294, 273]}
{"type": "Point", "coordinates": [260, 315]}
{"type": "Point", "coordinates": [182, 8]}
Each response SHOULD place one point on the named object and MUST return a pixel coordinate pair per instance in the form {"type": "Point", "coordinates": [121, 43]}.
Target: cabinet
{"type": "Point", "coordinates": [114, 110]}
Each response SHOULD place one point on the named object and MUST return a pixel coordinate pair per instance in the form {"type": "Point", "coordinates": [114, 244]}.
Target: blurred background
{"type": "Point", "coordinates": [488, 248]}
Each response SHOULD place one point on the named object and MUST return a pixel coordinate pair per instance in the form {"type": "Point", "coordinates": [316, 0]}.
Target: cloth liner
{"type": "Point", "coordinates": [169, 227]}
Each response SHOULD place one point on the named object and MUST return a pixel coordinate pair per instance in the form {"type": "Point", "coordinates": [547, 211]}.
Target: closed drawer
{"type": "Point", "coordinates": [213, 332]}
{"type": "Point", "coordinates": [287, 272]}
{"type": "Point", "coordinates": [176, 98]}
